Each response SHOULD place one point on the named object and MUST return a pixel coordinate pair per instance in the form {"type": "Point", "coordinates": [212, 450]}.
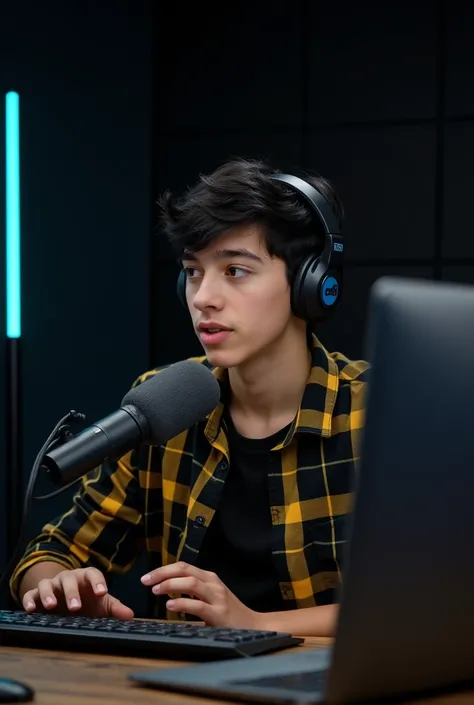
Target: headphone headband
{"type": "Point", "coordinates": [317, 287]}
{"type": "Point", "coordinates": [315, 200]}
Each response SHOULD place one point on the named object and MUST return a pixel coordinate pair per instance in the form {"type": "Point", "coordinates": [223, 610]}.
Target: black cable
{"type": "Point", "coordinates": [60, 433]}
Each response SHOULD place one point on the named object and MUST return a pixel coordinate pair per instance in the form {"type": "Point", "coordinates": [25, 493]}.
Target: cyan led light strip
{"type": "Point", "coordinates": [12, 178]}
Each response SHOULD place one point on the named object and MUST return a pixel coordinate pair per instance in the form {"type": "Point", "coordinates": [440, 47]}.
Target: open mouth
{"type": "Point", "coordinates": [210, 336]}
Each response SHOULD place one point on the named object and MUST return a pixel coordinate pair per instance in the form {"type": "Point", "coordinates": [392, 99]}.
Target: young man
{"type": "Point", "coordinates": [243, 516]}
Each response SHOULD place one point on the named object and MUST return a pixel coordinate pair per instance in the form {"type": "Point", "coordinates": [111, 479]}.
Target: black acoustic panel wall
{"type": "Point", "coordinates": [235, 67]}
{"type": "Point", "coordinates": [371, 61]}
{"type": "Point", "coordinates": [460, 275]}
{"type": "Point", "coordinates": [459, 64]}
{"type": "Point", "coordinates": [386, 179]}
{"type": "Point", "coordinates": [458, 239]}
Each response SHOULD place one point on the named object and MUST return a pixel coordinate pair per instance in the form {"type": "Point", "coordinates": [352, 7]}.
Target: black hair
{"type": "Point", "coordinates": [238, 193]}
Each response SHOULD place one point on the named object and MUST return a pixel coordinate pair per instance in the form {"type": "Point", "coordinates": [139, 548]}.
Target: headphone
{"type": "Point", "coordinates": [317, 286]}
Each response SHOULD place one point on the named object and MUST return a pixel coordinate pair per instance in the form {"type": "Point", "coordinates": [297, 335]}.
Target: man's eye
{"type": "Point", "coordinates": [190, 271]}
{"type": "Point", "coordinates": [237, 272]}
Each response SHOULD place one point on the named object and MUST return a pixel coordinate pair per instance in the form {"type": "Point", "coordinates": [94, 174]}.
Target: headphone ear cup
{"type": "Point", "coordinates": [181, 288]}
{"type": "Point", "coordinates": [316, 291]}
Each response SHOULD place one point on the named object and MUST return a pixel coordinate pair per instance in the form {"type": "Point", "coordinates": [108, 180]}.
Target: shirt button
{"type": "Point", "coordinates": [223, 465]}
{"type": "Point", "coordinates": [200, 520]}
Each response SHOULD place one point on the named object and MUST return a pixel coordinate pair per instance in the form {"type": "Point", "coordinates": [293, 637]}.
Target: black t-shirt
{"type": "Point", "coordinates": [237, 545]}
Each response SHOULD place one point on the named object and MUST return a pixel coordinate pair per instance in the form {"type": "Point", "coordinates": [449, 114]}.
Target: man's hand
{"type": "Point", "coordinates": [82, 591]}
{"type": "Point", "coordinates": [215, 604]}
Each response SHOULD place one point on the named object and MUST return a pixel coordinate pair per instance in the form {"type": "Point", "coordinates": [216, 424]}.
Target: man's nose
{"type": "Point", "coordinates": [208, 294]}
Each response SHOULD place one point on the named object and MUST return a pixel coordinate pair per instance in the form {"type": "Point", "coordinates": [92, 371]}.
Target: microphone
{"type": "Point", "coordinates": [156, 410]}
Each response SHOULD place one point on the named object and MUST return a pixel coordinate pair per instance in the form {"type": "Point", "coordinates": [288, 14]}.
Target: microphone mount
{"type": "Point", "coordinates": [61, 433]}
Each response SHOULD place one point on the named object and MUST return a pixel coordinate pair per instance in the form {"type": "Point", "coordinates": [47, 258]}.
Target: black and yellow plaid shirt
{"type": "Point", "coordinates": [162, 498]}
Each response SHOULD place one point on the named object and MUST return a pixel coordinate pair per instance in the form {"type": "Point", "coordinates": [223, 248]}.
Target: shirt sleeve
{"type": "Point", "coordinates": [103, 528]}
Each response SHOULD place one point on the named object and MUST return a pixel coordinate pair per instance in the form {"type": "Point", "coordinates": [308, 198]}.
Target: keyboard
{"type": "Point", "coordinates": [147, 638]}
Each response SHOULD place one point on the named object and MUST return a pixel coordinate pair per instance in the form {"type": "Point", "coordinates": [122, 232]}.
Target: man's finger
{"type": "Point", "coordinates": [174, 570]}
{"type": "Point", "coordinates": [96, 580]}
{"type": "Point", "coordinates": [200, 609]}
{"type": "Point", "coordinates": [117, 609]}
{"type": "Point", "coordinates": [46, 594]}
{"type": "Point", "coordinates": [30, 600]}
{"type": "Point", "coordinates": [70, 589]}
{"type": "Point", "coordinates": [188, 586]}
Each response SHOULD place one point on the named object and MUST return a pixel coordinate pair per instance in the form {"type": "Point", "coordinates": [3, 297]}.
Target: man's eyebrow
{"type": "Point", "coordinates": [225, 254]}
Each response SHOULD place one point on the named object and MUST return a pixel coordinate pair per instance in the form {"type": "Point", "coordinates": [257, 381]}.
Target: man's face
{"type": "Point", "coordinates": [238, 297]}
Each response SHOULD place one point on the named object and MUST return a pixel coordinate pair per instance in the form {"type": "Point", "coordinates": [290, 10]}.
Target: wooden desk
{"type": "Point", "coordinates": [93, 679]}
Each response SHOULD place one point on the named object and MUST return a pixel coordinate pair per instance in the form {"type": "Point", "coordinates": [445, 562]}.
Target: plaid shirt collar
{"type": "Point", "coordinates": [317, 405]}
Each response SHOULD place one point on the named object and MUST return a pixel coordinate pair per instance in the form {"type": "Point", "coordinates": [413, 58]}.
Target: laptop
{"type": "Point", "coordinates": [406, 621]}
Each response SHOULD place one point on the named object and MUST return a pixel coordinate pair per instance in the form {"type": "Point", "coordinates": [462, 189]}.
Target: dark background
{"type": "Point", "coordinates": [120, 100]}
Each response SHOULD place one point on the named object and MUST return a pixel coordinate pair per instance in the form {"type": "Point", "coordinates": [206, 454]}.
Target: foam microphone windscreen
{"type": "Point", "coordinates": [175, 399]}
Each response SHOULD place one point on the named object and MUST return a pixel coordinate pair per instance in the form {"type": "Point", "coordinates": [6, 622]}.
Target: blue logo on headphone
{"type": "Point", "coordinates": [330, 291]}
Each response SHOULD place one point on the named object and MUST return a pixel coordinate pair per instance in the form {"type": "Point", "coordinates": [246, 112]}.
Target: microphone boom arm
{"type": "Point", "coordinates": [61, 430]}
